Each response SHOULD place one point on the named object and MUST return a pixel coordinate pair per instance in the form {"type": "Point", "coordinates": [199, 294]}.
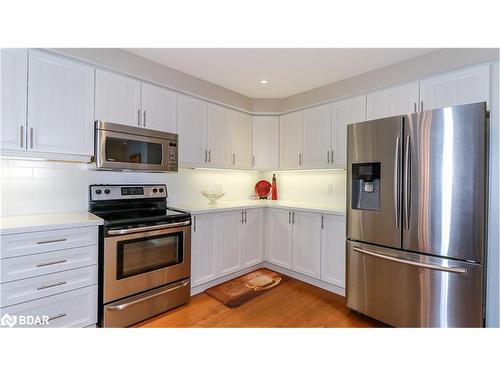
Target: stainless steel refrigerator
{"type": "Point", "coordinates": [416, 217]}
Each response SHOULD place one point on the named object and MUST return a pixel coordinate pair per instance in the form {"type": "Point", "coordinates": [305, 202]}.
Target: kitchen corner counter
{"type": "Point", "coordinates": [34, 223]}
{"type": "Point", "coordinates": [202, 208]}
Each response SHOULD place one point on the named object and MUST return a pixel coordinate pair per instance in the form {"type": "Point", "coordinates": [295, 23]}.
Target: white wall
{"type": "Point", "coordinates": [34, 187]}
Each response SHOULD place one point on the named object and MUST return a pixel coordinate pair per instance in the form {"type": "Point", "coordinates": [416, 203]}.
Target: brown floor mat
{"type": "Point", "coordinates": [236, 292]}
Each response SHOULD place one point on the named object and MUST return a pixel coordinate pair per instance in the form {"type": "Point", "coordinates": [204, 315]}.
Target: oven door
{"type": "Point", "coordinates": [125, 151]}
{"type": "Point", "coordinates": [139, 261]}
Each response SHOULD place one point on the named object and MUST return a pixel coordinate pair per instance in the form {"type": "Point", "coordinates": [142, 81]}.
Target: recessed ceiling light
{"type": "Point", "coordinates": [263, 81]}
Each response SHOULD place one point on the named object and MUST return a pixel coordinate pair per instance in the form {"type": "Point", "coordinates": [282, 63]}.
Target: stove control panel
{"type": "Point", "coordinates": [117, 192]}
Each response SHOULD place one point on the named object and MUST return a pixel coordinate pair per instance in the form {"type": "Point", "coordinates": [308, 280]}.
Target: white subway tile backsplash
{"type": "Point", "coordinates": [54, 173]}
{"type": "Point", "coordinates": [16, 172]}
{"type": "Point", "coordinates": [31, 164]}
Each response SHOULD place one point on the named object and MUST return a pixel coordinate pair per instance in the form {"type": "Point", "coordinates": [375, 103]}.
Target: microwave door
{"type": "Point", "coordinates": [444, 182]}
{"type": "Point", "coordinates": [374, 173]}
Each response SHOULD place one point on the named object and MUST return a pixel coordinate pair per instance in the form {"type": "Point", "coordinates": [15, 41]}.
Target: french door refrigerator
{"type": "Point", "coordinates": [416, 209]}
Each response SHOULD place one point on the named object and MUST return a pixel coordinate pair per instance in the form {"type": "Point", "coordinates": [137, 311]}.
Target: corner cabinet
{"type": "Point", "coordinates": [265, 138]}
{"type": "Point", "coordinates": [279, 237]}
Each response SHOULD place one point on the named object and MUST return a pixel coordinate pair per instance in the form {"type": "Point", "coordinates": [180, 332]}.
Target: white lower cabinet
{"type": "Point", "coordinates": [226, 231]}
{"type": "Point", "coordinates": [251, 237]}
{"type": "Point", "coordinates": [203, 261]}
{"type": "Point", "coordinates": [279, 243]}
{"type": "Point", "coordinates": [306, 257]}
{"type": "Point", "coordinates": [333, 250]}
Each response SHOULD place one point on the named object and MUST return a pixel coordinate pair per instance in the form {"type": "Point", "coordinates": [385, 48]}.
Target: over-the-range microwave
{"type": "Point", "coordinates": [129, 148]}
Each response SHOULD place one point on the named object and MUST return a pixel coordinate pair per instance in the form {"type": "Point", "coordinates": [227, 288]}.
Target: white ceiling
{"type": "Point", "coordinates": [288, 71]}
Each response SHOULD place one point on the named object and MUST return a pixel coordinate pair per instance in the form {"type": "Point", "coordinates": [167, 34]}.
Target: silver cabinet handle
{"type": "Point", "coordinates": [234, 158]}
{"type": "Point", "coordinates": [51, 263]}
{"type": "Point", "coordinates": [50, 241]}
{"type": "Point", "coordinates": [128, 304]}
{"type": "Point", "coordinates": [209, 156]}
{"type": "Point", "coordinates": [300, 158]}
{"type": "Point", "coordinates": [459, 270]}
{"type": "Point", "coordinates": [206, 155]}
{"type": "Point", "coordinates": [327, 157]}
{"type": "Point", "coordinates": [51, 285]}
{"type": "Point", "coordinates": [144, 229]}
{"type": "Point", "coordinates": [31, 137]}
{"type": "Point", "coordinates": [322, 222]}
{"type": "Point", "coordinates": [415, 107]}
{"type": "Point", "coordinates": [293, 217]}
{"type": "Point", "coordinates": [242, 220]}
{"type": "Point", "coordinates": [144, 119]}
{"type": "Point", "coordinates": [21, 137]}
{"type": "Point", "coordinates": [289, 217]}
{"type": "Point", "coordinates": [395, 183]}
{"type": "Point", "coordinates": [245, 216]}
{"type": "Point", "coordinates": [194, 224]}
{"type": "Point", "coordinates": [61, 315]}
{"type": "Point", "coordinates": [331, 158]}
{"type": "Point", "coordinates": [406, 182]}
{"type": "Point", "coordinates": [421, 106]}
{"type": "Point", "coordinates": [138, 117]}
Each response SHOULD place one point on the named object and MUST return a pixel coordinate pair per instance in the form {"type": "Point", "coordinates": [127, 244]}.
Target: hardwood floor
{"type": "Point", "coordinates": [293, 304]}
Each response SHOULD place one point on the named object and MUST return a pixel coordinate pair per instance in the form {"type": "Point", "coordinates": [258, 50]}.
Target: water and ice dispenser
{"type": "Point", "coordinates": [365, 185]}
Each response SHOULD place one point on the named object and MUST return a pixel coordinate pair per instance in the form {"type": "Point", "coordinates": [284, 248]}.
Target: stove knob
{"type": "Point", "coordinates": [161, 190]}
{"type": "Point", "coordinates": [155, 190]}
{"type": "Point", "coordinates": [98, 191]}
{"type": "Point", "coordinates": [107, 191]}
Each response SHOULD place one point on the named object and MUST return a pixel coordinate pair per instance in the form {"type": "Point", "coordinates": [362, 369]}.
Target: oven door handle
{"type": "Point", "coordinates": [114, 232]}
{"type": "Point", "coordinates": [128, 304]}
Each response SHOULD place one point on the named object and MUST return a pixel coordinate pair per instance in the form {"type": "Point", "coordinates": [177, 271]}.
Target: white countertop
{"type": "Point", "coordinates": [200, 208]}
{"type": "Point", "coordinates": [34, 223]}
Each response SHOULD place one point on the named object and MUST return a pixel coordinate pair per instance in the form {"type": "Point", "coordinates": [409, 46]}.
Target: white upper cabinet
{"type": "Point", "coordinates": [60, 105]}
{"type": "Point", "coordinates": [219, 136]}
{"type": "Point", "coordinates": [333, 250]}
{"type": "Point", "coordinates": [13, 81]}
{"type": "Point", "coordinates": [307, 243]}
{"type": "Point", "coordinates": [226, 231]}
{"type": "Point", "coordinates": [251, 236]}
{"type": "Point", "coordinates": [316, 137]}
{"type": "Point", "coordinates": [241, 140]}
{"type": "Point", "coordinates": [159, 108]}
{"type": "Point", "coordinates": [117, 99]}
{"type": "Point", "coordinates": [279, 237]}
{"type": "Point", "coordinates": [462, 87]}
{"type": "Point", "coordinates": [192, 128]}
{"type": "Point", "coordinates": [392, 102]}
{"type": "Point", "coordinates": [203, 256]}
{"type": "Point", "coordinates": [291, 140]}
{"type": "Point", "coordinates": [345, 112]}
{"type": "Point", "coordinates": [265, 142]}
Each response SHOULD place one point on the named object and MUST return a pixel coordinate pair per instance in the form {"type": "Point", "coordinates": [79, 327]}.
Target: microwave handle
{"type": "Point", "coordinates": [114, 232]}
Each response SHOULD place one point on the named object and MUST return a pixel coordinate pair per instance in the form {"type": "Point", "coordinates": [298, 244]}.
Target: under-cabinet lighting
{"type": "Point", "coordinates": [310, 170]}
{"type": "Point", "coordinates": [224, 170]}
{"type": "Point", "coordinates": [22, 158]}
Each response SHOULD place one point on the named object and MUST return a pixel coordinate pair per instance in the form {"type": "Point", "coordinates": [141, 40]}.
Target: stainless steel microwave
{"type": "Point", "coordinates": [129, 148]}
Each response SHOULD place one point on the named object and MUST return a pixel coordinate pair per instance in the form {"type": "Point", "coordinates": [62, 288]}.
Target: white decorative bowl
{"type": "Point", "coordinates": [213, 196]}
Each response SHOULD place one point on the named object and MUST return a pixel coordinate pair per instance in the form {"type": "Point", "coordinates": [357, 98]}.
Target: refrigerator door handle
{"type": "Point", "coordinates": [459, 270]}
{"type": "Point", "coordinates": [406, 184]}
{"type": "Point", "coordinates": [396, 180]}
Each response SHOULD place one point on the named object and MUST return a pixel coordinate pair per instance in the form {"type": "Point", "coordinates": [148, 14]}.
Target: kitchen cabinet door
{"type": "Point", "coordinates": [316, 137]}
{"type": "Point", "coordinates": [159, 108]}
{"type": "Point", "coordinates": [192, 128]}
{"type": "Point", "coordinates": [251, 237]}
{"type": "Point", "coordinates": [203, 256]}
{"type": "Point", "coordinates": [307, 243]}
{"type": "Point", "coordinates": [279, 243]}
{"type": "Point", "coordinates": [333, 252]}
{"type": "Point", "coordinates": [219, 136]}
{"type": "Point", "coordinates": [60, 105]}
{"type": "Point", "coordinates": [291, 140]}
{"type": "Point", "coordinates": [117, 99]}
{"type": "Point", "coordinates": [265, 142]}
{"type": "Point", "coordinates": [345, 112]}
{"type": "Point", "coordinates": [462, 87]}
{"type": "Point", "coordinates": [241, 140]}
{"type": "Point", "coordinates": [226, 232]}
{"type": "Point", "coordinates": [392, 102]}
{"type": "Point", "coordinates": [13, 81]}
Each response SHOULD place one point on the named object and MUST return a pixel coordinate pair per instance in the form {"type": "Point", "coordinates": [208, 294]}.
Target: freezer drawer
{"type": "Point", "coordinates": [409, 290]}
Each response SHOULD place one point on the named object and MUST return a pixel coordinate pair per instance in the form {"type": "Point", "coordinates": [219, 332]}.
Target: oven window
{"type": "Point", "coordinates": [148, 254]}
{"type": "Point", "coordinates": [130, 151]}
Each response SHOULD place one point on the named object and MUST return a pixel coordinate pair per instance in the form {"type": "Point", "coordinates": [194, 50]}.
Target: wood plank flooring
{"type": "Point", "coordinates": [292, 304]}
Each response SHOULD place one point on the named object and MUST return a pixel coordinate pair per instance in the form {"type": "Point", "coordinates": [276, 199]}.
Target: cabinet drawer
{"type": "Point", "coordinates": [12, 269]}
{"type": "Point", "coordinates": [14, 245]}
{"type": "Point", "coordinates": [76, 308]}
{"type": "Point", "coordinates": [44, 286]}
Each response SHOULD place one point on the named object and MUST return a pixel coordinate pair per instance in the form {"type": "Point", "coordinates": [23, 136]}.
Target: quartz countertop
{"type": "Point", "coordinates": [34, 223]}
{"type": "Point", "coordinates": [200, 208]}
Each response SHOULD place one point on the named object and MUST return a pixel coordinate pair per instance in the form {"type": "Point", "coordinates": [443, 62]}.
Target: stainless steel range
{"type": "Point", "coordinates": [145, 253]}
